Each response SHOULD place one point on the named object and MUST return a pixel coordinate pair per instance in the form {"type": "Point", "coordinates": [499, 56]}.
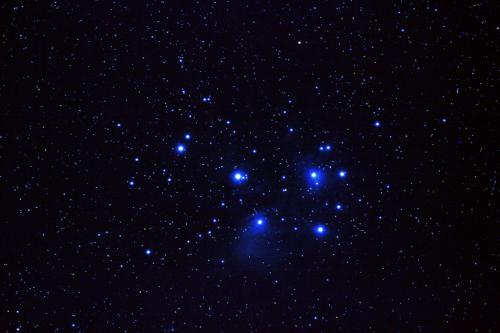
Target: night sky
{"type": "Point", "coordinates": [233, 166]}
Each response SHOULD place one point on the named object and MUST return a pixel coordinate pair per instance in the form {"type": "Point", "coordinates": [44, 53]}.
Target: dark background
{"type": "Point", "coordinates": [87, 86]}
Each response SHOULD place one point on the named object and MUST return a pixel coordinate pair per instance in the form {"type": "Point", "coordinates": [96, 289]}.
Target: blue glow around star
{"type": "Point", "coordinates": [338, 207]}
{"type": "Point", "coordinates": [239, 177]}
{"type": "Point", "coordinates": [258, 224]}
{"type": "Point", "coordinates": [187, 136]}
{"type": "Point", "coordinates": [319, 229]}
{"type": "Point", "coordinates": [180, 148]}
{"type": "Point", "coordinates": [148, 252]}
{"type": "Point", "coordinates": [342, 173]}
{"type": "Point", "coordinates": [315, 177]}
{"type": "Point", "coordinates": [376, 123]}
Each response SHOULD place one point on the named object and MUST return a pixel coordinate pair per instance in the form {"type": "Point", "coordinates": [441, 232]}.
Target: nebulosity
{"type": "Point", "coordinates": [254, 167]}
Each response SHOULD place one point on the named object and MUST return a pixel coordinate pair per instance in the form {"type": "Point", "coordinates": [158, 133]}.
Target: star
{"type": "Point", "coordinates": [376, 123]}
{"type": "Point", "coordinates": [239, 177]}
{"type": "Point", "coordinates": [315, 177]}
{"type": "Point", "coordinates": [181, 148]}
{"type": "Point", "coordinates": [187, 136]}
{"type": "Point", "coordinates": [338, 207]}
{"type": "Point", "coordinates": [148, 252]}
{"type": "Point", "coordinates": [342, 174]}
{"type": "Point", "coordinates": [319, 229]}
{"type": "Point", "coordinates": [259, 224]}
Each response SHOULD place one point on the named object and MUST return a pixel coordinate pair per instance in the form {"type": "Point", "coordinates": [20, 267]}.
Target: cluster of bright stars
{"type": "Point", "coordinates": [239, 177]}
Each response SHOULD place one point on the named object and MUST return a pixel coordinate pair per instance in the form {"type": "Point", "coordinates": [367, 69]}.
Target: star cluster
{"type": "Point", "coordinates": [253, 167]}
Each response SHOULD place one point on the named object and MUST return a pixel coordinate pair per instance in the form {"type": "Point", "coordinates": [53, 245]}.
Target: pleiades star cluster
{"type": "Point", "coordinates": [249, 166]}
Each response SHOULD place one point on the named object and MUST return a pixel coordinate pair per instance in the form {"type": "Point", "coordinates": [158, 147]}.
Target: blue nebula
{"type": "Point", "coordinates": [239, 177]}
{"type": "Point", "coordinates": [319, 229]}
{"type": "Point", "coordinates": [342, 174]}
{"type": "Point", "coordinates": [180, 148]}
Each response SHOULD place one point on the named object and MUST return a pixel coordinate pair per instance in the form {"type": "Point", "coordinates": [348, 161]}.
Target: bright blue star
{"type": "Point", "coordinates": [259, 222]}
{"type": "Point", "coordinates": [315, 177]}
{"type": "Point", "coordinates": [325, 148]}
{"type": "Point", "coordinates": [148, 252]}
{"type": "Point", "coordinates": [376, 123]}
{"type": "Point", "coordinates": [342, 174]}
{"type": "Point", "coordinates": [319, 229]}
{"type": "Point", "coordinates": [338, 207]}
{"type": "Point", "coordinates": [239, 177]}
{"type": "Point", "coordinates": [187, 136]}
{"type": "Point", "coordinates": [181, 148]}
{"type": "Point", "coordinates": [119, 125]}
{"type": "Point", "coordinates": [206, 99]}
{"type": "Point", "coordinates": [131, 183]}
